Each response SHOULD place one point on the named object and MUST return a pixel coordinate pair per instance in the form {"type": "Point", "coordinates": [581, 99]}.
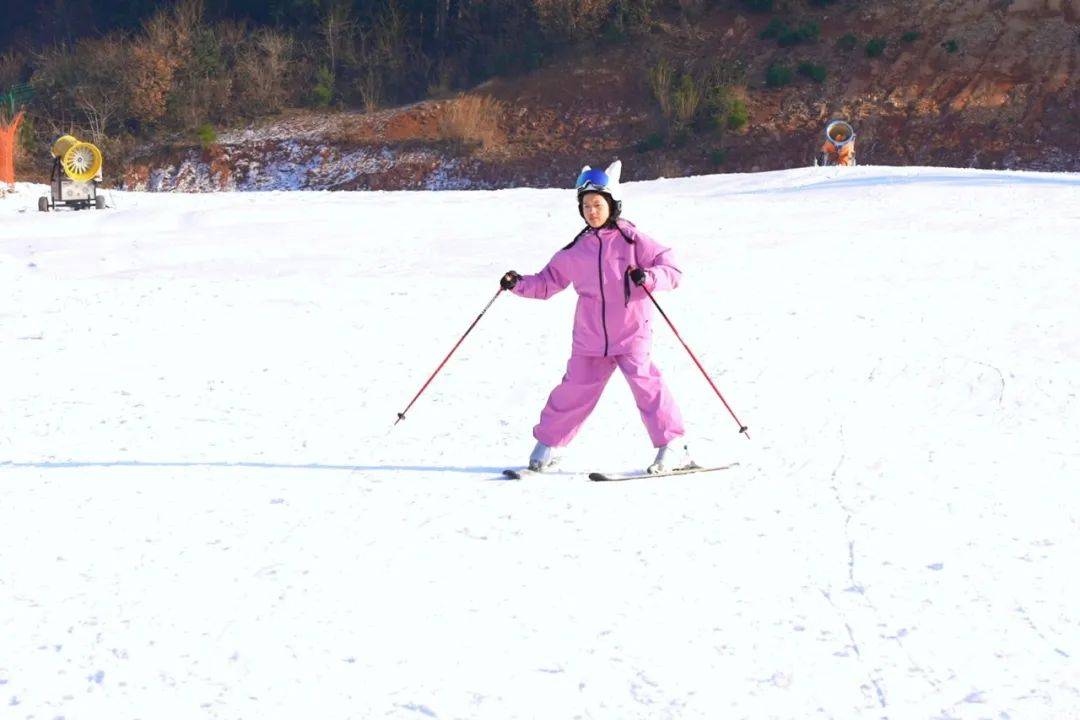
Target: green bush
{"type": "Point", "coordinates": [716, 102]}
{"type": "Point", "coordinates": [950, 46]}
{"type": "Point", "coordinates": [786, 36]}
{"type": "Point", "coordinates": [654, 141]}
{"type": "Point", "coordinates": [718, 156]}
{"type": "Point", "coordinates": [323, 92]}
{"type": "Point", "coordinates": [910, 36]}
{"type": "Point", "coordinates": [739, 116]}
{"type": "Point", "coordinates": [778, 75]}
{"type": "Point", "coordinates": [774, 29]}
{"type": "Point", "coordinates": [876, 47]}
{"type": "Point", "coordinates": [807, 32]}
{"type": "Point", "coordinates": [206, 134]}
{"type": "Point", "coordinates": [847, 43]}
{"type": "Point", "coordinates": [817, 73]}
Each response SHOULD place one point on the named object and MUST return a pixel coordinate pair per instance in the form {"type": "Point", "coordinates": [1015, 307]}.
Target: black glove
{"type": "Point", "coordinates": [509, 280]}
{"type": "Point", "coordinates": [638, 276]}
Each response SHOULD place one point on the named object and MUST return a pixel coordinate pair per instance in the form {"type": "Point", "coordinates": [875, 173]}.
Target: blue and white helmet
{"type": "Point", "coordinates": [605, 182]}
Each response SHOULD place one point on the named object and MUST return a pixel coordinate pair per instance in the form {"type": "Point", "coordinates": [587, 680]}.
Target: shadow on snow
{"type": "Point", "coordinates": [251, 465]}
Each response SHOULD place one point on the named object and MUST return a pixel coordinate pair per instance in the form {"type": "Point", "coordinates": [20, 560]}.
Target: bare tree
{"type": "Point", "coordinates": [337, 26]}
{"type": "Point", "coordinates": [571, 19]}
{"type": "Point", "coordinates": [11, 64]}
{"type": "Point", "coordinates": [262, 70]}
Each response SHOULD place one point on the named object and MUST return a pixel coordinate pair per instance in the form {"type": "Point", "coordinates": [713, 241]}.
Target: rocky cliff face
{"type": "Point", "coordinates": [968, 83]}
{"type": "Point", "coordinates": [986, 84]}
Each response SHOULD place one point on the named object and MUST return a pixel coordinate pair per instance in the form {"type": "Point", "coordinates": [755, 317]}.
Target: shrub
{"type": "Point", "coordinates": [807, 32]}
{"type": "Point", "coordinates": [774, 29]}
{"type": "Point", "coordinates": [263, 68]}
{"type": "Point", "coordinates": [206, 134]}
{"type": "Point", "coordinates": [876, 47]}
{"type": "Point", "coordinates": [724, 73]}
{"type": "Point", "coordinates": [847, 43]}
{"type": "Point", "coordinates": [631, 16]}
{"type": "Point", "coordinates": [471, 119]}
{"type": "Point", "coordinates": [786, 36]}
{"type": "Point", "coordinates": [150, 80]}
{"type": "Point", "coordinates": [718, 156]}
{"type": "Point", "coordinates": [572, 20]}
{"type": "Point", "coordinates": [654, 141]}
{"type": "Point", "coordinates": [323, 92]}
{"type": "Point", "coordinates": [685, 99]}
{"type": "Point", "coordinates": [910, 36]}
{"type": "Point", "coordinates": [660, 76]}
{"type": "Point", "coordinates": [739, 116]}
{"type": "Point", "coordinates": [950, 46]}
{"type": "Point", "coordinates": [719, 99]}
{"type": "Point", "coordinates": [817, 73]}
{"type": "Point", "coordinates": [810, 31]}
{"type": "Point", "coordinates": [789, 38]}
{"type": "Point", "coordinates": [778, 75]}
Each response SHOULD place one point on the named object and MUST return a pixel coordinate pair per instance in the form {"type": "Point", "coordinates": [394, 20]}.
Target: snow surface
{"type": "Point", "coordinates": [205, 510]}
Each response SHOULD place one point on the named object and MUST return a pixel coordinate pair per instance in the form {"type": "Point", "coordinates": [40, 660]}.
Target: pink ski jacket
{"type": "Point", "coordinates": [613, 314]}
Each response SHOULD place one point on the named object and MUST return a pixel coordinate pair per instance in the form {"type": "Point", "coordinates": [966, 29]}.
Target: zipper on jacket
{"type": "Point", "coordinates": [603, 301]}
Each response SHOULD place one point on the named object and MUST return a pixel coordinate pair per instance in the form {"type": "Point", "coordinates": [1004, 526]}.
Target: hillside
{"type": "Point", "coordinates": [986, 84]}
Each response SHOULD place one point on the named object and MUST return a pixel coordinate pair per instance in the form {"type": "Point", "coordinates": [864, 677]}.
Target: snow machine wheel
{"type": "Point", "coordinates": [99, 202]}
{"type": "Point", "coordinates": [43, 204]}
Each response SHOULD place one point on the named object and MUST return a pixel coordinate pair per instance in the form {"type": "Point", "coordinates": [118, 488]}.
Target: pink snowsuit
{"type": "Point", "coordinates": [611, 328]}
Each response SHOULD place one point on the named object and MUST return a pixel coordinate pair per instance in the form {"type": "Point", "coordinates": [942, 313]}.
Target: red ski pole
{"type": "Point", "coordinates": [742, 428]}
{"type": "Point", "coordinates": [401, 415]}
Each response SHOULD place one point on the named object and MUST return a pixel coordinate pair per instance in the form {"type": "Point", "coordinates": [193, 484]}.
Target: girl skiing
{"type": "Point", "coordinates": [609, 262]}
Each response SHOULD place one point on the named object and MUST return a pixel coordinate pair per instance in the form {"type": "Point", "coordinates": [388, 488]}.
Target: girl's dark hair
{"type": "Point", "coordinates": [614, 206]}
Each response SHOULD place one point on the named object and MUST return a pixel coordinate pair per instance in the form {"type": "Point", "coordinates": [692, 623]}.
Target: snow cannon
{"type": "Point", "coordinates": [76, 173]}
{"type": "Point", "coordinates": [840, 133]}
{"type": "Point", "coordinates": [839, 147]}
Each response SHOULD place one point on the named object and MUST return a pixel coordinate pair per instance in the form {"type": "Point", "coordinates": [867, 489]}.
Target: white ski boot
{"type": "Point", "coordinates": [673, 456]}
{"type": "Point", "coordinates": [543, 458]}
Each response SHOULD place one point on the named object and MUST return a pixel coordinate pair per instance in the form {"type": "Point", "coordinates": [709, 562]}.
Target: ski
{"type": "Point", "coordinates": [604, 477]}
{"type": "Point", "coordinates": [521, 472]}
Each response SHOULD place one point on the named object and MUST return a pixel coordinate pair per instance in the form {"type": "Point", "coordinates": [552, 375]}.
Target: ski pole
{"type": "Point", "coordinates": [742, 428]}
{"type": "Point", "coordinates": [401, 415]}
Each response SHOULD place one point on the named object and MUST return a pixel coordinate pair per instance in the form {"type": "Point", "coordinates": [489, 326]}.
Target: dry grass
{"type": "Point", "coordinates": [472, 119]}
{"type": "Point", "coordinates": [685, 100]}
{"type": "Point", "coordinates": [660, 77]}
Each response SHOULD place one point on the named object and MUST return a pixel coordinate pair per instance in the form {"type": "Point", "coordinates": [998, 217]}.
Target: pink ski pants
{"type": "Point", "coordinates": [576, 396]}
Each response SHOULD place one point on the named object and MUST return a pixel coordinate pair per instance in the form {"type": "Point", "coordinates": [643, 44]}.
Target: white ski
{"type": "Point", "coordinates": [604, 477]}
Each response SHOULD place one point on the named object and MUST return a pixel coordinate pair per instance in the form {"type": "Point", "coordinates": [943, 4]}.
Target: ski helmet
{"type": "Point", "coordinates": [604, 182]}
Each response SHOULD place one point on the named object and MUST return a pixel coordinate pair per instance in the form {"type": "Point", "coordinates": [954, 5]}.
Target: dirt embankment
{"type": "Point", "coordinates": [969, 83]}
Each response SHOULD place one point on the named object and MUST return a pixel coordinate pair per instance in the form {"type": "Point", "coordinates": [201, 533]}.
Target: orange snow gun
{"type": "Point", "coordinates": [839, 147]}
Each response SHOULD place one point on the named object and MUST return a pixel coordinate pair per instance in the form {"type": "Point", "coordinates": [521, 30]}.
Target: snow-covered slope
{"type": "Point", "coordinates": [205, 510]}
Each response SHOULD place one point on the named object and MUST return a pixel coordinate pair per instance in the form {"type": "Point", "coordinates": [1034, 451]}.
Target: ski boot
{"type": "Point", "coordinates": [673, 456]}
{"type": "Point", "coordinates": [543, 458]}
